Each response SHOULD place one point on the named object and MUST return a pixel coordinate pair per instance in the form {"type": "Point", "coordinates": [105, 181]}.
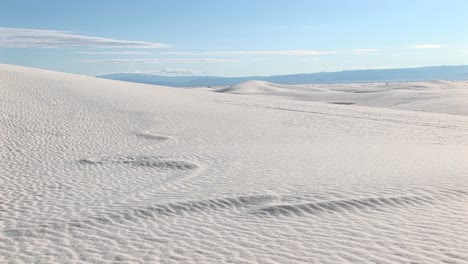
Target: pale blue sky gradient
{"type": "Point", "coordinates": [232, 38]}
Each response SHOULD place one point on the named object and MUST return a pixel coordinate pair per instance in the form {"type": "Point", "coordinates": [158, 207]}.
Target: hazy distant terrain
{"type": "Point", "coordinates": [448, 97]}
{"type": "Point", "coordinates": [102, 171]}
{"type": "Point", "coordinates": [387, 75]}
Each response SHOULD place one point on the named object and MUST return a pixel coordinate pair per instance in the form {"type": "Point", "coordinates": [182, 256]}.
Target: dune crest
{"type": "Point", "coordinates": [448, 97]}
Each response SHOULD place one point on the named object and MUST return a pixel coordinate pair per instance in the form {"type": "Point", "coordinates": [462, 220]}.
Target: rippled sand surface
{"type": "Point", "coordinates": [100, 171]}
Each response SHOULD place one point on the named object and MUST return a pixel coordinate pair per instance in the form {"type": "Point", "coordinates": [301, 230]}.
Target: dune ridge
{"type": "Point", "coordinates": [435, 96]}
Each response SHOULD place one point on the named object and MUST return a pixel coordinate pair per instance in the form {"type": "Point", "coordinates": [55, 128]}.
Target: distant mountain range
{"type": "Point", "coordinates": [353, 76]}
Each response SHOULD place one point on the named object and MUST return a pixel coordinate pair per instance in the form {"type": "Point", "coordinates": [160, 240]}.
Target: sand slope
{"type": "Point", "coordinates": [100, 171]}
{"type": "Point", "coordinates": [437, 96]}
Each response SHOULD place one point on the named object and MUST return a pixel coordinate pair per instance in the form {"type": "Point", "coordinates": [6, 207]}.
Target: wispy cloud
{"type": "Point", "coordinates": [371, 67]}
{"type": "Point", "coordinates": [427, 46]}
{"type": "Point", "coordinates": [179, 72]}
{"type": "Point", "coordinates": [364, 51]}
{"type": "Point", "coordinates": [258, 59]}
{"type": "Point", "coordinates": [308, 60]}
{"type": "Point", "coordinates": [133, 61]}
{"type": "Point", "coordinates": [167, 72]}
{"type": "Point", "coordinates": [113, 52]}
{"type": "Point", "coordinates": [252, 52]}
{"type": "Point", "coordinates": [38, 38]}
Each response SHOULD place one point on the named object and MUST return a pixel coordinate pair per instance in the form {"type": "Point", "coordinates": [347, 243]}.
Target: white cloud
{"type": "Point", "coordinates": [253, 52]}
{"type": "Point", "coordinates": [113, 52]}
{"type": "Point", "coordinates": [37, 38]}
{"type": "Point", "coordinates": [426, 46]}
{"type": "Point", "coordinates": [179, 72]}
{"type": "Point", "coordinates": [364, 51]}
{"type": "Point", "coordinates": [260, 59]}
{"type": "Point", "coordinates": [164, 72]}
{"type": "Point", "coordinates": [133, 61]}
{"type": "Point", "coordinates": [371, 67]}
{"type": "Point", "coordinates": [308, 60]}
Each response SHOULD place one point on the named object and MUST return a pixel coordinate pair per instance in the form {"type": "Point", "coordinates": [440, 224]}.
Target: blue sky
{"type": "Point", "coordinates": [232, 38]}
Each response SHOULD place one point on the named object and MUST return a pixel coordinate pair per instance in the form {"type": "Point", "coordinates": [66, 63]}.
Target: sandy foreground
{"type": "Point", "coordinates": [100, 171]}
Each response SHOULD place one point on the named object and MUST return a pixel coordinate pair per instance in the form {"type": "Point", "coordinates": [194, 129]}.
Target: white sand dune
{"type": "Point", "coordinates": [449, 97]}
{"type": "Point", "coordinates": [100, 171]}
